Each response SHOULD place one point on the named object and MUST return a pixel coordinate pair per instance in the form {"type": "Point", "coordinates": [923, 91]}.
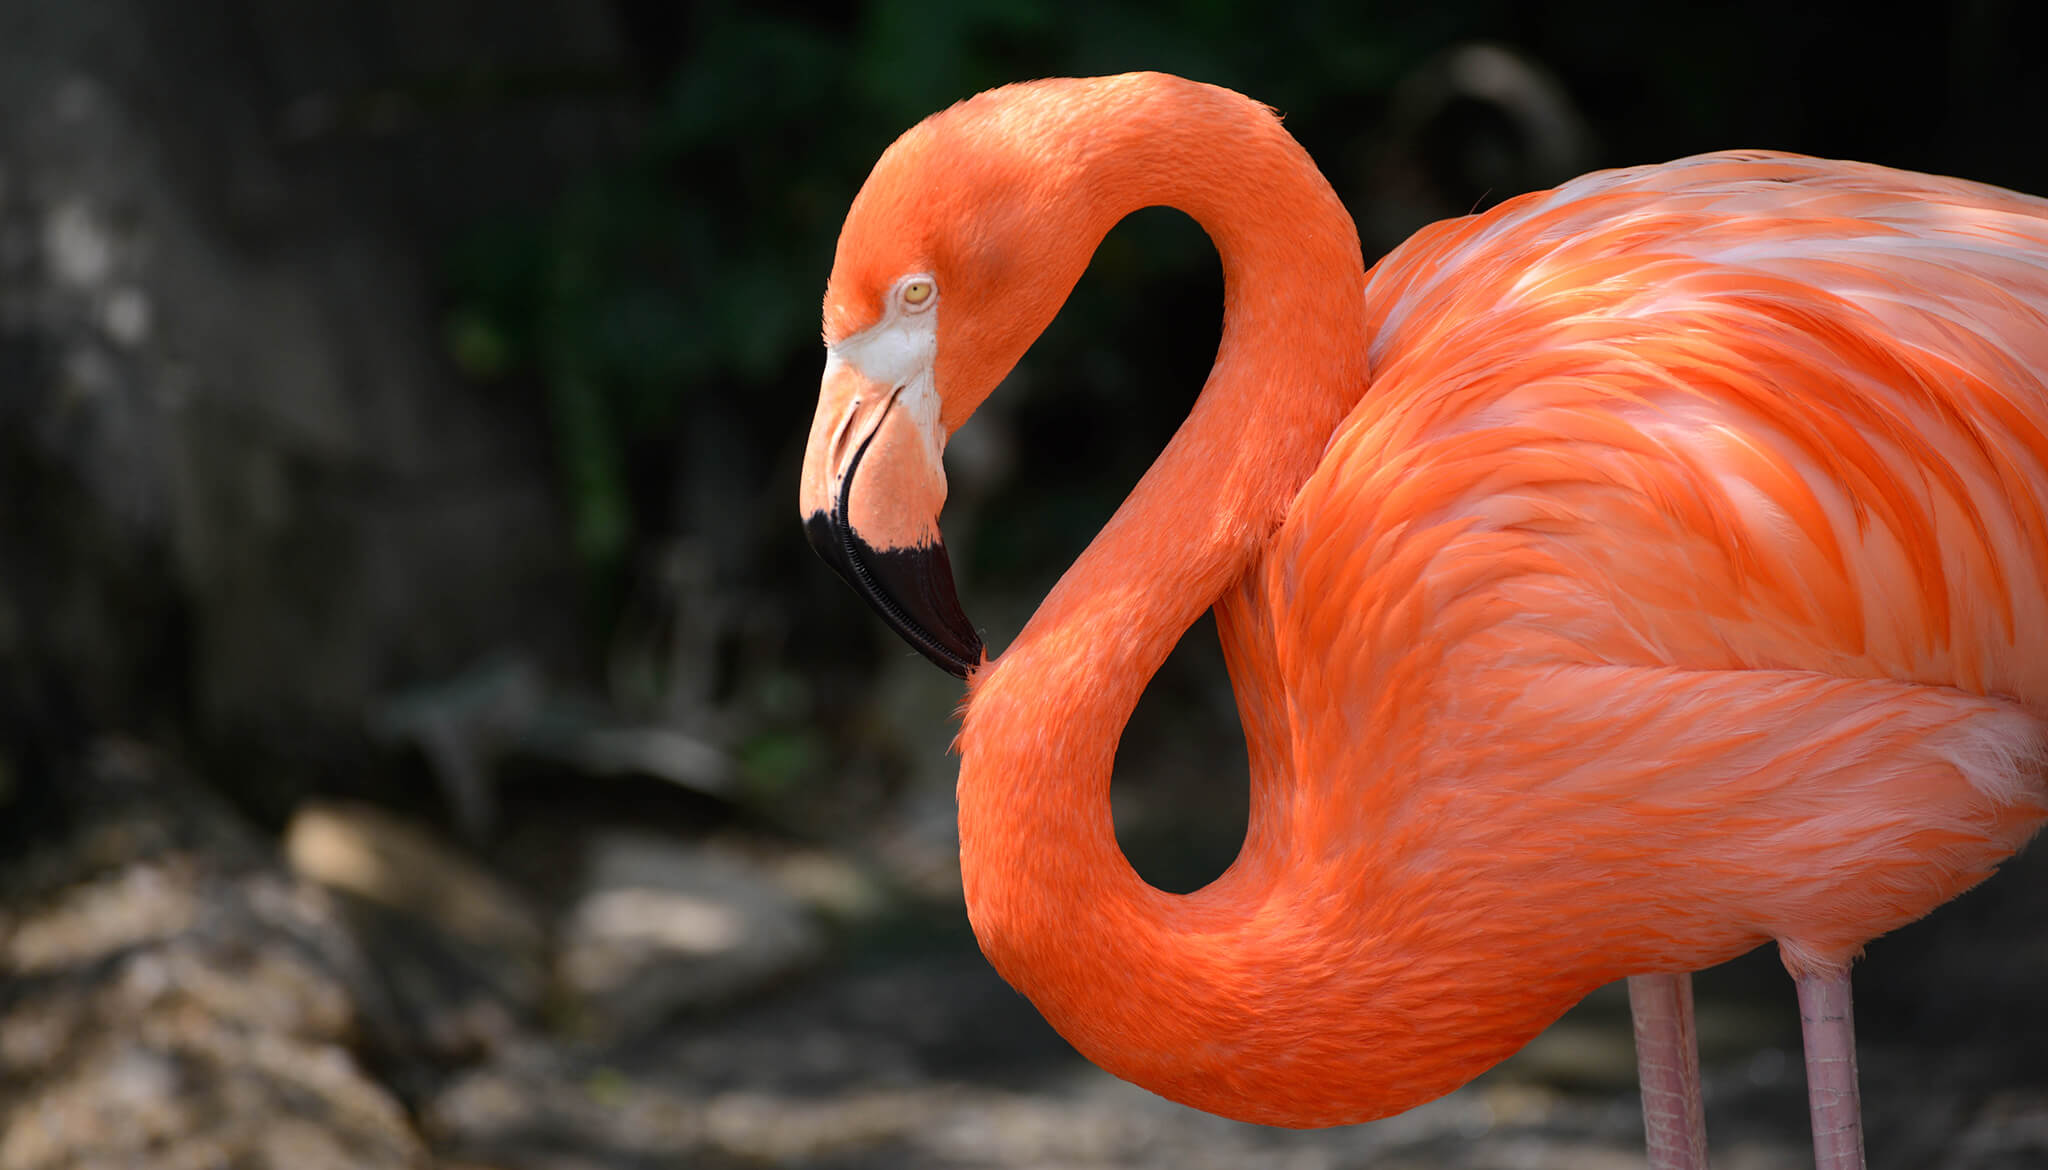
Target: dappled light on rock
{"type": "Point", "coordinates": [169, 988]}
{"type": "Point", "coordinates": [664, 926]}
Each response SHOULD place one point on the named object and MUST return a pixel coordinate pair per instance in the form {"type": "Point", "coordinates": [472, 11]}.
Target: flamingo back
{"type": "Point", "coordinates": [1766, 411]}
{"type": "Point", "coordinates": [1691, 538]}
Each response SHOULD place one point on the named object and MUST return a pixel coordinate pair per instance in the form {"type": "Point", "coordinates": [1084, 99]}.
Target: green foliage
{"type": "Point", "coordinates": [682, 274]}
{"type": "Point", "coordinates": [772, 763]}
{"type": "Point", "coordinates": [685, 277]}
{"type": "Point", "coordinates": [661, 313]}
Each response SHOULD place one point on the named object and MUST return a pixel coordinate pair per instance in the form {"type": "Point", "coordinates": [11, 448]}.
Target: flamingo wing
{"type": "Point", "coordinates": [1708, 495]}
{"type": "Point", "coordinates": [1741, 411]}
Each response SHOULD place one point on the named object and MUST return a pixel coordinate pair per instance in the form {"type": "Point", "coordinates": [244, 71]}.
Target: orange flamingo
{"type": "Point", "coordinates": [1680, 585]}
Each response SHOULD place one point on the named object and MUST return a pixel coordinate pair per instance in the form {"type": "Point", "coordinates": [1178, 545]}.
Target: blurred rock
{"type": "Point", "coordinates": [542, 1110]}
{"type": "Point", "coordinates": [662, 926]}
{"type": "Point", "coordinates": [383, 858]}
{"type": "Point", "coordinates": [466, 725]}
{"type": "Point", "coordinates": [462, 957]}
{"type": "Point", "coordinates": [235, 465]}
{"type": "Point", "coordinates": [833, 887]}
{"type": "Point", "coordinates": [170, 998]}
{"type": "Point", "coordinates": [460, 726]}
{"type": "Point", "coordinates": [2009, 1133]}
{"type": "Point", "coordinates": [928, 1062]}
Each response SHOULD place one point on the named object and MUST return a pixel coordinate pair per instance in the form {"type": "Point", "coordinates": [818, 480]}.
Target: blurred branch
{"type": "Point", "coordinates": [505, 707]}
{"type": "Point", "coordinates": [398, 107]}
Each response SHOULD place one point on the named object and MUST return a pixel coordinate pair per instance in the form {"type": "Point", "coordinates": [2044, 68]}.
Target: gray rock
{"type": "Point", "coordinates": [256, 480]}
{"type": "Point", "coordinates": [662, 926]}
{"type": "Point", "coordinates": [466, 725]}
{"type": "Point", "coordinates": [2010, 1131]}
{"type": "Point", "coordinates": [542, 1109]}
{"type": "Point", "coordinates": [173, 999]}
{"type": "Point", "coordinates": [461, 956]}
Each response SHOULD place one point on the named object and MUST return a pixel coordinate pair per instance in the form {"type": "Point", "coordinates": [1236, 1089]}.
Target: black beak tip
{"type": "Point", "coordinates": [911, 588]}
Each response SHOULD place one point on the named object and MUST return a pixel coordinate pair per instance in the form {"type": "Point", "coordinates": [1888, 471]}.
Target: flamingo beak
{"type": "Point", "coordinates": [873, 484]}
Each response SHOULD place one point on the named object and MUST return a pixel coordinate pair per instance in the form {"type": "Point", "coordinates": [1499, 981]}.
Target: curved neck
{"type": "Point", "coordinates": [1058, 909]}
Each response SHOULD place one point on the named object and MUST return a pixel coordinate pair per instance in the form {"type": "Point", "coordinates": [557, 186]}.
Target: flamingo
{"type": "Point", "coordinates": [1612, 582]}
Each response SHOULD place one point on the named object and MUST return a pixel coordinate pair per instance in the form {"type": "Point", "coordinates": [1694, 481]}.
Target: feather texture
{"type": "Point", "coordinates": [1612, 582]}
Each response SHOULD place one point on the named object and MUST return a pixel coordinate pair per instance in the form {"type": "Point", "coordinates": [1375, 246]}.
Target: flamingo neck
{"type": "Point", "coordinates": [1153, 985]}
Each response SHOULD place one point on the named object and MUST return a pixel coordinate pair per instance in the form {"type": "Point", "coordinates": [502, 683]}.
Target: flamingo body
{"type": "Point", "coordinates": [1615, 581]}
{"type": "Point", "coordinates": [1693, 527]}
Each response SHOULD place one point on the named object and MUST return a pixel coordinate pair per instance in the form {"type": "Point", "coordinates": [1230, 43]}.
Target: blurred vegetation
{"type": "Point", "coordinates": [662, 312]}
{"type": "Point", "coordinates": [684, 279]}
{"type": "Point", "coordinates": [669, 283]}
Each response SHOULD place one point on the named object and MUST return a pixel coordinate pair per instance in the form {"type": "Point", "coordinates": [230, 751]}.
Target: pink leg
{"type": "Point", "coordinates": [1668, 1064]}
{"type": "Point", "coordinates": [1830, 1032]}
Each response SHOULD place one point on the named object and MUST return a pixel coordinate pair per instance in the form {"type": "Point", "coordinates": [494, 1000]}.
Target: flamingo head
{"type": "Point", "coordinates": [955, 255]}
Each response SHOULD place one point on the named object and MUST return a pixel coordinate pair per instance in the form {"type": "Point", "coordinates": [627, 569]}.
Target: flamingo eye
{"type": "Point", "coordinates": [918, 294]}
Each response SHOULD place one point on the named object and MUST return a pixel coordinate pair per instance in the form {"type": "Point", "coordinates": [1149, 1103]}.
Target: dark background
{"type": "Point", "coordinates": [401, 404]}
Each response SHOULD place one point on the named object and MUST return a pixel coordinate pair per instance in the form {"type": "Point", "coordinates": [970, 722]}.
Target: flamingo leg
{"type": "Point", "coordinates": [1829, 1029]}
{"type": "Point", "coordinates": [1668, 1064]}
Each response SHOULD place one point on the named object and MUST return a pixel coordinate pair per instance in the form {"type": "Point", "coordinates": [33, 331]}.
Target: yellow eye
{"type": "Point", "coordinates": [918, 293]}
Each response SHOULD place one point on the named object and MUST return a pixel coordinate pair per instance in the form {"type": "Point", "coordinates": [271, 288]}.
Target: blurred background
{"type": "Point", "coordinates": [425, 739]}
